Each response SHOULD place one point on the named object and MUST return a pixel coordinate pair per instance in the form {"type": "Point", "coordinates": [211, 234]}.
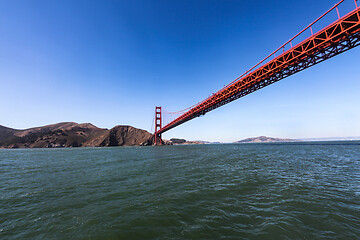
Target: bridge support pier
{"type": "Point", "coordinates": [158, 120]}
{"type": "Point", "coordinates": [158, 139]}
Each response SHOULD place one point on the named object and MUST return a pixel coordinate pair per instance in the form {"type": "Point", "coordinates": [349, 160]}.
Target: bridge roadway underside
{"type": "Point", "coordinates": [338, 37]}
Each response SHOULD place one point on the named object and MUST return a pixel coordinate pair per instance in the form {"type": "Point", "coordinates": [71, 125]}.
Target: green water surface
{"type": "Point", "coordinates": [225, 191]}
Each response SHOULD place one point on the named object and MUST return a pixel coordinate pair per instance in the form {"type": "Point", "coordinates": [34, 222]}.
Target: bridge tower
{"type": "Point", "coordinates": [158, 120]}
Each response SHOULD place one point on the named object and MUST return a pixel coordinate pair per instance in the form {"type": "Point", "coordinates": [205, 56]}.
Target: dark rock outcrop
{"type": "Point", "coordinates": [177, 140]}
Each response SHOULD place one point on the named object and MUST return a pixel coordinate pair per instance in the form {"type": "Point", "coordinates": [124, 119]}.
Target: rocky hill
{"type": "Point", "coordinates": [264, 139]}
{"type": "Point", "coordinates": [70, 134]}
{"type": "Point", "coordinates": [125, 136]}
{"type": "Point", "coordinates": [179, 141]}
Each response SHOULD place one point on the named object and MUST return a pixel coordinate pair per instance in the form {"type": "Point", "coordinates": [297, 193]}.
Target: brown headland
{"type": "Point", "coordinates": [71, 134]}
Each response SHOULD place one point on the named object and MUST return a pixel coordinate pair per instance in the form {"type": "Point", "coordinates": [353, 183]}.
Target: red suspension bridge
{"type": "Point", "coordinates": [338, 37]}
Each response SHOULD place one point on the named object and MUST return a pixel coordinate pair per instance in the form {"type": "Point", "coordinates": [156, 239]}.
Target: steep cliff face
{"type": "Point", "coordinates": [126, 136]}
{"type": "Point", "coordinates": [70, 134]}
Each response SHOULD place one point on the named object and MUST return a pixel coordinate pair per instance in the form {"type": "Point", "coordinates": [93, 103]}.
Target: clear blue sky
{"type": "Point", "coordinates": [112, 62]}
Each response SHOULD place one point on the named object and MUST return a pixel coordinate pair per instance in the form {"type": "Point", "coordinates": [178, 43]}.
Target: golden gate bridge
{"type": "Point", "coordinates": [337, 37]}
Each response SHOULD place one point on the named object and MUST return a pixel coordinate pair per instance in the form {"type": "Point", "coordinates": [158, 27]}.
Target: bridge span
{"type": "Point", "coordinates": [338, 37]}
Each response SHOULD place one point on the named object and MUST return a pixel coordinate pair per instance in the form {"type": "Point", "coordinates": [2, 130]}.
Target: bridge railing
{"type": "Point", "coordinates": [286, 46]}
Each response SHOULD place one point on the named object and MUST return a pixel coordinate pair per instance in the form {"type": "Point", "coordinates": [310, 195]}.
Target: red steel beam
{"type": "Point", "coordinates": [338, 37]}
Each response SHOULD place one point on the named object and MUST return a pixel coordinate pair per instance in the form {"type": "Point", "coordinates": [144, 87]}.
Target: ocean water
{"type": "Point", "coordinates": [225, 191]}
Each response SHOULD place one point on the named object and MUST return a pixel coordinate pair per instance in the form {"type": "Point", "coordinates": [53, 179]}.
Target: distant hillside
{"type": "Point", "coordinates": [264, 139]}
{"type": "Point", "coordinates": [70, 134]}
